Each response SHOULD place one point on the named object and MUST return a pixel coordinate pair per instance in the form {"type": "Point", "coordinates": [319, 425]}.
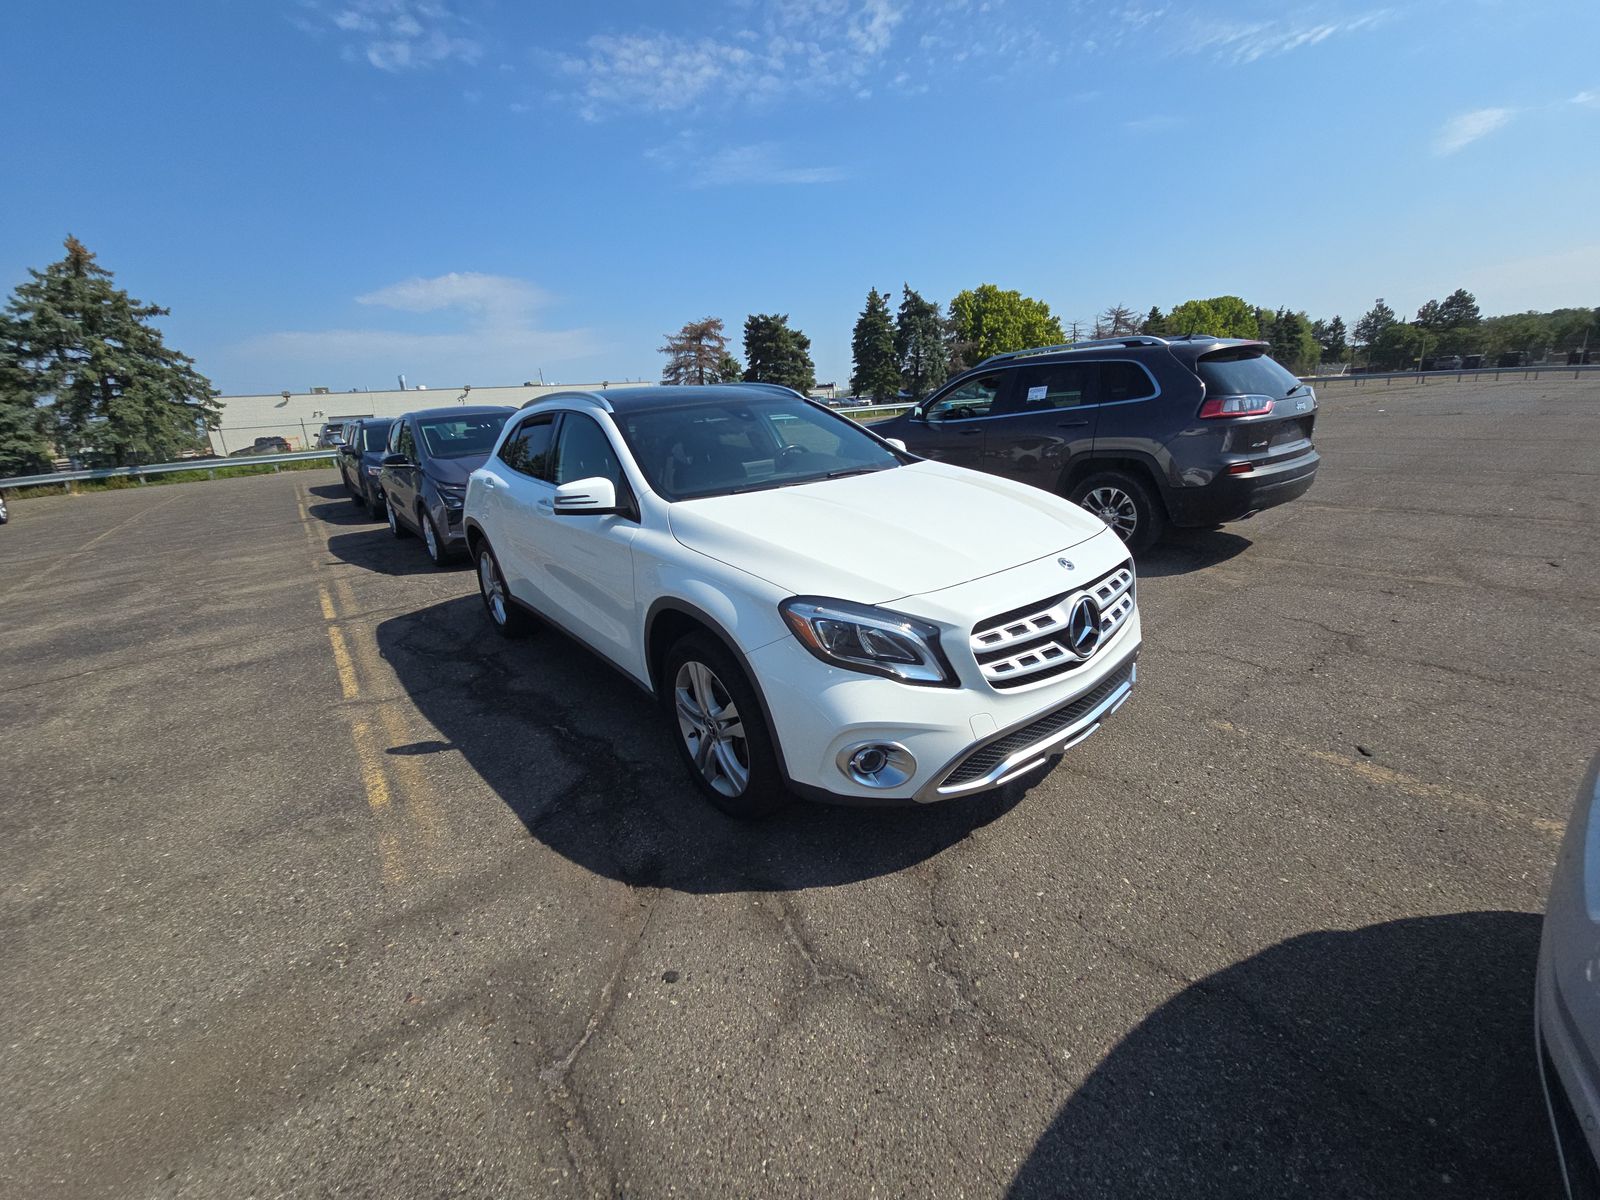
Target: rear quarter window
{"type": "Point", "coordinates": [1233, 374]}
{"type": "Point", "coordinates": [1124, 381]}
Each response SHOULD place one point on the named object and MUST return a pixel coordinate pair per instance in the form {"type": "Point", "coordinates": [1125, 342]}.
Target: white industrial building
{"type": "Point", "coordinates": [297, 416]}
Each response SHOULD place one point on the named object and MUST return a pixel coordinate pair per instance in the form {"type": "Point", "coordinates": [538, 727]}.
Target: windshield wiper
{"type": "Point", "coordinates": [844, 471]}
{"type": "Point", "coordinates": [1295, 389]}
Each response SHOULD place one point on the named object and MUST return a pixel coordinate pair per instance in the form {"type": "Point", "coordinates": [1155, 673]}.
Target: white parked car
{"type": "Point", "coordinates": [1566, 1007]}
{"type": "Point", "coordinates": [819, 611]}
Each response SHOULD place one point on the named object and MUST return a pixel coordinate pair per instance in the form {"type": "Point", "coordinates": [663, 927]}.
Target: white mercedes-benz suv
{"type": "Point", "coordinates": [818, 611]}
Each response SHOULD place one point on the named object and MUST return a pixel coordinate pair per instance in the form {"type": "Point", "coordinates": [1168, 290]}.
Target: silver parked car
{"type": "Point", "coordinates": [1566, 1008]}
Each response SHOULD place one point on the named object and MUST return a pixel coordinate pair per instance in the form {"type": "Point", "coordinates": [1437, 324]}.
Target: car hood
{"type": "Point", "coordinates": [881, 537]}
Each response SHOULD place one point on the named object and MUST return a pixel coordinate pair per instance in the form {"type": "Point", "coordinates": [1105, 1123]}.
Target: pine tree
{"type": "Point", "coordinates": [695, 353]}
{"type": "Point", "coordinates": [113, 392]}
{"type": "Point", "coordinates": [872, 350]}
{"type": "Point", "coordinates": [774, 353]}
{"type": "Point", "coordinates": [729, 369]}
{"type": "Point", "coordinates": [24, 444]}
{"type": "Point", "coordinates": [1155, 322]}
{"type": "Point", "coordinates": [1378, 318]}
{"type": "Point", "coordinates": [919, 344]}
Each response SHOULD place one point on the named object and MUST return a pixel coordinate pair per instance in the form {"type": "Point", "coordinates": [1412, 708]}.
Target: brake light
{"type": "Point", "coordinates": [1240, 468]}
{"type": "Point", "coordinates": [1236, 406]}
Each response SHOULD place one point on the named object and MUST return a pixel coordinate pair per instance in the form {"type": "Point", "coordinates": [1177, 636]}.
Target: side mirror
{"type": "Point", "coordinates": [898, 445]}
{"type": "Point", "coordinates": [597, 495]}
{"type": "Point", "coordinates": [395, 460]}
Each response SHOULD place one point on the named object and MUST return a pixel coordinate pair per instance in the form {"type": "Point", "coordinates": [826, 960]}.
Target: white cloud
{"type": "Point", "coordinates": [396, 35]}
{"type": "Point", "coordinates": [488, 336]}
{"type": "Point", "coordinates": [758, 164]}
{"type": "Point", "coordinates": [1249, 42]}
{"type": "Point", "coordinates": [1587, 99]}
{"type": "Point", "coordinates": [1468, 127]}
{"type": "Point", "coordinates": [782, 47]}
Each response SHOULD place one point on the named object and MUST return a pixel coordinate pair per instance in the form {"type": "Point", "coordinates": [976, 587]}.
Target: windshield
{"type": "Point", "coordinates": [1245, 371]}
{"type": "Point", "coordinates": [742, 445]}
{"type": "Point", "coordinates": [461, 437]}
{"type": "Point", "coordinates": [374, 434]}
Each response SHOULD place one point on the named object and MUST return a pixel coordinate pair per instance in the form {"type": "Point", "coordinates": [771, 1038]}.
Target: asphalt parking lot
{"type": "Point", "coordinates": [312, 886]}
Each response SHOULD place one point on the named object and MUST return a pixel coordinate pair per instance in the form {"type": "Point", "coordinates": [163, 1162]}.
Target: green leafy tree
{"type": "Point", "coordinates": [1155, 322]}
{"type": "Point", "coordinates": [919, 344]}
{"type": "Point", "coordinates": [84, 349]}
{"type": "Point", "coordinates": [1220, 316]}
{"type": "Point", "coordinates": [986, 320]}
{"type": "Point", "coordinates": [1398, 347]}
{"type": "Point", "coordinates": [877, 372]}
{"type": "Point", "coordinates": [729, 369]}
{"type": "Point", "coordinates": [1371, 326]}
{"type": "Point", "coordinates": [1333, 338]}
{"type": "Point", "coordinates": [695, 353]}
{"type": "Point", "coordinates": [775, 353]}
{"type": "Point", "coordinates": [1430, 317]}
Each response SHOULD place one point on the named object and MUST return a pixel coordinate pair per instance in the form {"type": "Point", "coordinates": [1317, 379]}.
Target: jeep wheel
{"type": "Point", "coordinates": [1123, 503]}
{"type": "Point", "coordinates": [716, 722]}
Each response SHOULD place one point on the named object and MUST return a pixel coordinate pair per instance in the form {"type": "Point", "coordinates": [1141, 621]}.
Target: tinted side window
{"type": "Point", "coordinates": [973, 398]}
{"type": "Point", "coordinates": [584, 452]}
{"type": "Point", "coordinates": [1048, 386]}
{"type": "Point", "coordinates": [527, 450]}
{"type": "Point", "coordinates": [1124, 381]}
{"type": "Point", "coordinates": [404, 443]}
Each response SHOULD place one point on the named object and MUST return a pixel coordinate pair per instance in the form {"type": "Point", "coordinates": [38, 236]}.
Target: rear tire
{"type": "Point", "coordinates": [715, 720]}
{"type": "Point", "coordinates": [1125, 504]}
{"type": "Point", "coordinates": [508, 620]}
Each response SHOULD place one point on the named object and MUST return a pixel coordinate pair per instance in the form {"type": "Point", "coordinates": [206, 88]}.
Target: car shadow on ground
{"type": "Point", "coordinates": [584, 760]}
{"type": "Point", "coordinates": [1394, 1060]}
{"type": "Point", "coordinates": [1185, 550]}
{"type": "Point", "coordinates": [329, 491]}
{"type": "Point", "coordinates": [345, 512]}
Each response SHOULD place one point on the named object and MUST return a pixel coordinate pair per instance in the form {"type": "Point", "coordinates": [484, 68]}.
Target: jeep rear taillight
{"type": "Point", "coordinates": [1236, 406]}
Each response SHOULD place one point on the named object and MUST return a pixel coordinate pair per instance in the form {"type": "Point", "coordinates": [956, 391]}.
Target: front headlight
{"type": "Point", "coordinates": [453, 497]}
{"type": "Point", "coordinates": [372, 471]}
{"type": "Point", "coordinates": [876, 641]}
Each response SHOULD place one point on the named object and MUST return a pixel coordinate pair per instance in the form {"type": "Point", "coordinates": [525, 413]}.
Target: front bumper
{"type": "Point", "coordinates": [965, 740]}
{"type": "Point", "coordinates": [1234, 497]}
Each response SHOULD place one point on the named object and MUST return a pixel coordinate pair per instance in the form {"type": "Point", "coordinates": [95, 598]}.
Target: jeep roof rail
{"type": "Point", "coordinates": [1131, 339]}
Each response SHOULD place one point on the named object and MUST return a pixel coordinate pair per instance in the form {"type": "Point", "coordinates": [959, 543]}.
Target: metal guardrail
{"type": "Point", "coordinates": [1458, 376]}
{"type": "Point", "coordinates": [887, 410]}
{"type": "Point", "coordinates": [209, 465]}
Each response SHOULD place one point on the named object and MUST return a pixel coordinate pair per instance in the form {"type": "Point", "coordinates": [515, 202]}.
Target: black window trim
{"type": "Point", "coordinates": [515, 428]}
{"type": "Point", "coordinates": [1011, 384]}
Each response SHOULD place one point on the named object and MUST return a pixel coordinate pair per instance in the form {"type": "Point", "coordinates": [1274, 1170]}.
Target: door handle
{"type": "Point", "coordinates": [1071, 424]}
{"type": "Point", "coordinates": [970, 432]}
{"type": "Point", "coordinates": [547, 505]}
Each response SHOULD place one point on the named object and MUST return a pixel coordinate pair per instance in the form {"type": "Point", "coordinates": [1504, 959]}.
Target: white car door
{"type": "Point", "coordinates": [586, 559]}
{"type": "Point", "coordinates": [520, 494]}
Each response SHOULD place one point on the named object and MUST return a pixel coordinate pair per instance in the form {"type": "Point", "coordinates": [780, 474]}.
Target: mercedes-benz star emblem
{"type": "Point", "coordinates": [1065, 562]}
{"type": "Point", "coordinates": [1083, 627]}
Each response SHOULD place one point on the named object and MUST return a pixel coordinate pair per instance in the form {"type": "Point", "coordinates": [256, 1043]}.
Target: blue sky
{"type": "Point", "coordinates": [331, 192]}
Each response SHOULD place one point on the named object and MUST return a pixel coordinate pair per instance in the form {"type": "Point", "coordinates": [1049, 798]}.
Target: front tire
{"type": "Point", "coordinates": [431, 541]}
{"type": "Point", "coordinates": [715, 720]}
{"type": "Point", "coordinates": [508, 620]}
{"type": "Point", "coordinates": [1125, 504]}
{"type": "Point", "coordinates": [395, 528]}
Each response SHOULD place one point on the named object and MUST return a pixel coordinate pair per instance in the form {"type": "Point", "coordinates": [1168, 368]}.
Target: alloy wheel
{"type": "Point", "coordinates": [388, 511]}
{"type": "Point", "coordinates": [1115, 507]}
{"type": "Point", "coordinates": [709, 723]}
{"type": "Point", "coordinates": [494, 592]}
{"type": "Point", "coordinates": [429, 538]}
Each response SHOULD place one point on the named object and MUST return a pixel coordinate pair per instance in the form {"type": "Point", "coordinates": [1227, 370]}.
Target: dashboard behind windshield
{"type": "Point", "coordinates": [739, 445]}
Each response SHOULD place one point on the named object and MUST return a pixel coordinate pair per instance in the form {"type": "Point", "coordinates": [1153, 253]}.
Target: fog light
{"type": "Point", "coordinates": [877, 764]}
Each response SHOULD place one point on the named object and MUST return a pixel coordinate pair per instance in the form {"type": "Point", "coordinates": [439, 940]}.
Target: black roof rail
{"type": "Point", "coordinates": [1131, 339]}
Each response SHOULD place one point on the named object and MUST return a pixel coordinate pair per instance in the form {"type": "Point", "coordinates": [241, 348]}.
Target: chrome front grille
{"type": "Point", "coordinates": [1035, 643]}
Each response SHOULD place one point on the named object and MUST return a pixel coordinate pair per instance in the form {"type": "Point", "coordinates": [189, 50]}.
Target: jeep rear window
{"type": "Point", "coordinates": [1244, 372]}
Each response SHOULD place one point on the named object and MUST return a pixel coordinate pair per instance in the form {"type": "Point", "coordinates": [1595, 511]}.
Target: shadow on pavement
{"type": "Point", "coordinates": [583, 758]}
{"type": "Point", "coordinates": [1394, 1060]}
{"type": "Point", "coordinates": [330, 491]}
{"type": "Point", "coordinates": [1186, 550]}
